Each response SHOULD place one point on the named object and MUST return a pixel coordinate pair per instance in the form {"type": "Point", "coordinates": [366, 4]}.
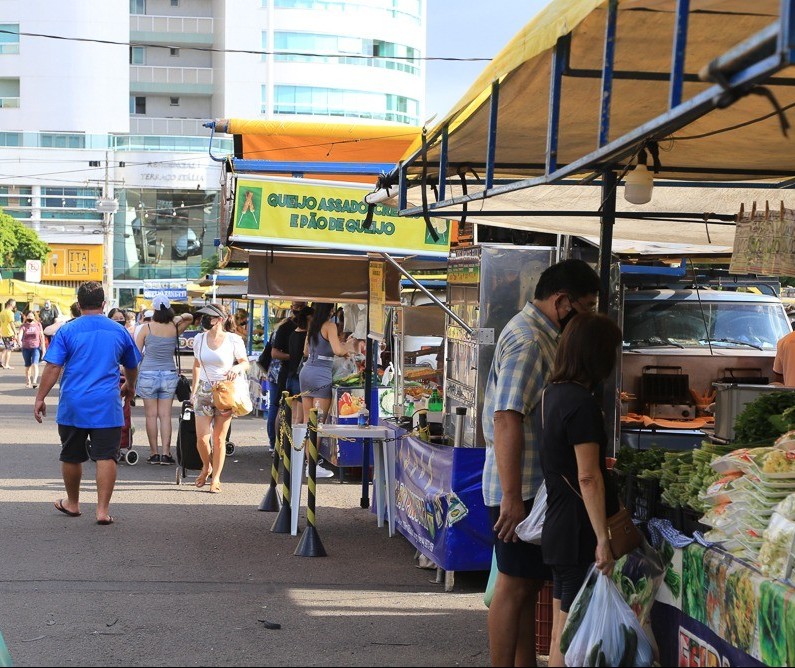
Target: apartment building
{"type": "Point", "coordinates": [117, 110]}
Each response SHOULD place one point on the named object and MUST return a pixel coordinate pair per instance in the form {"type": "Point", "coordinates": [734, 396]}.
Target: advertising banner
{"type": "Point", "coordinates": [376, 301]}
{"type": "Point", "coordinates": [326, 214]}
{"type": "Point", "coordinates": [440, 503]}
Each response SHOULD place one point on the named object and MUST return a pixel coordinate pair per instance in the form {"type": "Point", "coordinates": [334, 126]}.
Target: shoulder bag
{"type": "Point", "coordinates": [184, 386]}
{"type": "Point", "coordinates": [622, 533]}
{"type": "Point", "coordinates": [223, 391]}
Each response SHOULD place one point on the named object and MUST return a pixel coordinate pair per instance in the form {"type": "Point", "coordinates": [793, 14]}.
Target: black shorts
{"type": "Point", "coordinates": [566, 583]}
{"type": "Point", "coordinates": [105, 443]}
{"type": "Point", "coordinates": [519, 559]}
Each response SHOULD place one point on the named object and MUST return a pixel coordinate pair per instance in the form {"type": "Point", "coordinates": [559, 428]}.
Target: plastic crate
{"type": "Point", "coordinates": [641, 497]}
{"type": "Point", "coordinates": [673, 515]}
{"type": "Point", "coordinates": [690, 522]}
{"type": "Point", "coordinates": [544, 620]}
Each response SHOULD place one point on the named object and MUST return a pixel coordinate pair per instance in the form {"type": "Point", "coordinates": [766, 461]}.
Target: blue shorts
{"type": "Point", "coordinates": [31, 356]}
{"type": "Point", "coordinates": [157, 384]}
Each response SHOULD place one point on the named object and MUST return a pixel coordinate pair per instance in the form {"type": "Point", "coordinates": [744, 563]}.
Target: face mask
{"type": "Point", "coordinates": [207, 322]}
{"type": "Point", "coordinates": [566, 319]}
{"type": "Point", "coordinates": [30, 319]}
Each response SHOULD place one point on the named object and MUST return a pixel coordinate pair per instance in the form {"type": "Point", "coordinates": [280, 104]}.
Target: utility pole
{"type": "Point", "coordinates": [108, 206]}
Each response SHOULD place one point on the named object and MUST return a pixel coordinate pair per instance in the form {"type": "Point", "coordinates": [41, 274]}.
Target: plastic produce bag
{"type": "Point", "coordinates": [530, 528]}
{"type": "Point", "coordinates": [601, 629]}
{"type": "Point", "coordinates": [342, 368]}
{"type": "Point", "coordinates": [489, 593]}
{"type": "Point", "coordinates": [638, 577]}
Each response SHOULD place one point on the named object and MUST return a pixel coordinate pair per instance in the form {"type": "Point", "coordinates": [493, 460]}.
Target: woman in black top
{"type": "Point", "coordinates": [580, 496]}
{"type": "Point", "coordinates": [295, 347]}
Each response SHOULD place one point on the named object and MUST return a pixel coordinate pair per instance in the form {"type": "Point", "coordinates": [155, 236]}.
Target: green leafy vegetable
{"type": "Point", "coordinates": [755, 426]}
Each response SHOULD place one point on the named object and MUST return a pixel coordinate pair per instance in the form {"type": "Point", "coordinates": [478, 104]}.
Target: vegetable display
{"type": "Point", "coordinates": [765, 418]}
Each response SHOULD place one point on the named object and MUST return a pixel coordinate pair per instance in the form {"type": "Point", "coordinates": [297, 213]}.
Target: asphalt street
{"type": "Point", "coordinates": [188, 578]}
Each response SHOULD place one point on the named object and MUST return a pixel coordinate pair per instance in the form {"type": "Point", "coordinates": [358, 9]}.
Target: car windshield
{"type": "Point", "coordinates": [689, 324]}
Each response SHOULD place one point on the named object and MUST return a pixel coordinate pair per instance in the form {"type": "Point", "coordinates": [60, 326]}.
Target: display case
{"type": "Point", "coordinates": [487, 285]}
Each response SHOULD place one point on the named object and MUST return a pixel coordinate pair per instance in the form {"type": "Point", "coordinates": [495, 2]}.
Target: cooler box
{"type": "Point", "coordinates": [730, 401]}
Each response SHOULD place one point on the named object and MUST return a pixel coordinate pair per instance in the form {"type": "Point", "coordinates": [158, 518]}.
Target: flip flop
{"type": "Point", "coordinates": [106, 522]}
{"type": "Point", "coordinates": [59, 506]}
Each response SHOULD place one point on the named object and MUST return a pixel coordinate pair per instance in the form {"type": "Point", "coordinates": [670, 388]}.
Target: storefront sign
{"type": "Point", "coordinates": [78, 262]}
{"type": "Point", "coordinates": [173, 294]}
{"type": "Point", "coordinates": [375, 303]}
{"type": "Point", "coordinates": [324, 214]}
{"type": "Point", "coordinates": [440, 503]}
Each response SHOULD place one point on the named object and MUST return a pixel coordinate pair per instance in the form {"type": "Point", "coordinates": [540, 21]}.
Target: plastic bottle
{"type": "Point", "coordinates": [435, 402]}
{"type": "Point", "coordinates": [364, 418]}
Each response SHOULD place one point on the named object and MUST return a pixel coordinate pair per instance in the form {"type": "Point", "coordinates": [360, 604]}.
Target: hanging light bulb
{"type": "Point", "coordinates": [638, 185]}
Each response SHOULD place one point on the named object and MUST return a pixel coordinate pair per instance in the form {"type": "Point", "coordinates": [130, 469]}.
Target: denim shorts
{"type": "Point", "coordinates": [31, 356]}
{"type": "Point", "coordinates": [157, 384]}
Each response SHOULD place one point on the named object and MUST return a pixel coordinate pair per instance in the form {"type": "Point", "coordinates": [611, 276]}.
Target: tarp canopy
{"type": "Point", "coordinates": [295, 141]}
{"type": "Point", "coordinates": [742, 142]}
{"type": "Point", "coordinates": [37, 293]}
{"type": "Point", "coordinates": [745, 137]}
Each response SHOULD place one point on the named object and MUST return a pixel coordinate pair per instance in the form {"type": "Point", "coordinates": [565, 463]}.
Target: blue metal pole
{"type": "Point", "coordinates": [607, 72]}
{"type": "Point", "coordinates": [786, 39]}
{"type": "Point", "coordinates": [560, 61]}
{"type": "Point", "coordinates": [491, 148]}
{"type": "Point", "coordinates": [678, 55]}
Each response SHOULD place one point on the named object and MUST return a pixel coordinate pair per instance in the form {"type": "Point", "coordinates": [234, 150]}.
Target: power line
{"type": "Point", "coordinates": [253, 52]}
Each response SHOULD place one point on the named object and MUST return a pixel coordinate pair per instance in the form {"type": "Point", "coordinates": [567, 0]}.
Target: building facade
{"type": "Point", "coordinates": [117, 109]}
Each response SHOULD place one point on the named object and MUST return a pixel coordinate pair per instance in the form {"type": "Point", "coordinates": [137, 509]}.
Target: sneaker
{"type": "Point", "coordinates": [154, 459]}
{"type": "Point", "coordinates": [321, 472]}
{"type": "Point", "coordinates": [167, 459]}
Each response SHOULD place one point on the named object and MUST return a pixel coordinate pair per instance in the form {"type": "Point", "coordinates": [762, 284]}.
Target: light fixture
{"type": "Point", "coordinates": [638, 185]}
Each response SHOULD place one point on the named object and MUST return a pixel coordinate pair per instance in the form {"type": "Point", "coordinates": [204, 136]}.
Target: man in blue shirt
{"type": "Point", "coordinates": [89, 350]}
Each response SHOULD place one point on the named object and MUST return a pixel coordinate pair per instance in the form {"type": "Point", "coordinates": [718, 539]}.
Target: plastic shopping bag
{"type": "Point", "coordinates": [343, 367]}
{"type": "Point", "coordinates": [601, 629]}
{"type": "Point", "coordinates": [638, 576]}
{"type": "Point", "coordinates": [489, 594]}
{"type": "Point", "coordinates": [530, 528]}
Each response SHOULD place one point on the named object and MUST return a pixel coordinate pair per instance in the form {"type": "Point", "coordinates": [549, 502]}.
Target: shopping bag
{"type": "Point", "coordinates": [601, 629]}
{"type": "Point", "coordinates": [342, 367]}
{"type": "Point", "coordinates": [224, 395]}
{"type": "Point", "coordinates": [489, 594]}
{"type": "Point", "coordinates": [183, 389]}
{"type": "Point", "coordinates": [5, 656]}
{"type": "Point", "coordinates": [638, 576]}
{"type": "Point", "coordinates": [530, 528]}
{"type": "Point", "coordinates": [242, 396]}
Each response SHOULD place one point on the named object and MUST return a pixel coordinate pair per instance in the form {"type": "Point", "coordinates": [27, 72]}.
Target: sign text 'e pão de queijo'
{"type": "Point", "coordinates": [324, 214]}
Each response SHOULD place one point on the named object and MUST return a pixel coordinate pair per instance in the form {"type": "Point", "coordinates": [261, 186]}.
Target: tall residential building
{"type": "Point", "coordinates": [117, 108]}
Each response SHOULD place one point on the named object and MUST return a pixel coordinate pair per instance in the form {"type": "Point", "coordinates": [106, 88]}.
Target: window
{"type": "Point", "coordinates": [174, 52]}
{"type": "Point", "coordinates": [10, 139]}
{"type": "Point", "coordinates": [9, 93]}
{"type": "Point", "coordinates": [305, 100]}
{"type": "Point", "coordinates": [137, 105]}
{"type": "Point", "coordinates": [174, 101]}
{"type": "Point", "coordinates": [137, 6]}
{"type": "Point", "coordinates": [137, 55]}
{"type": "Point", "coordinates": [9, 38]}
{"type": "Point", "coordinates": [406, 9]}
{"type": "Point", "coordinates": [16, 201]}
{"type": "Point", "coordinates": [62, 140]}
{"type": "Point", "coordinates": [175, 3]}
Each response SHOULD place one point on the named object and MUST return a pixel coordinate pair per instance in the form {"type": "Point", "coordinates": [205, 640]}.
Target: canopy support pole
{"type": "Point", "coordinates": [609, 188]}
{"type": "Point", "coordinates": [428, 294]}
{"type": "Point", "coordinates": [607, 72]}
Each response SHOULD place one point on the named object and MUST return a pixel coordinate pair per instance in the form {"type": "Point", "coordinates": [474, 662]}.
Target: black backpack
{"type": "Point", "coordinates": [265, 357]}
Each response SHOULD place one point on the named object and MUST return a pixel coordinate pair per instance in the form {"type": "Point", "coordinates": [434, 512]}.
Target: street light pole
{"type": "Point", "coordinates": [108, 206]}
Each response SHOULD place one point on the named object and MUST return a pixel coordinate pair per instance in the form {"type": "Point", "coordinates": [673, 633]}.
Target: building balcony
{"type": "Point", "coordinates": [146, 79]}
{"type": "Point", "coordinates": [183, 127]}
{"type": "Point", "coordinates": [172, 30]}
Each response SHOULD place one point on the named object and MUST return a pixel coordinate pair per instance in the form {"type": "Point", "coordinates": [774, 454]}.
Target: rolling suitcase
{"type": "Point", "coordinates": [187, 454]}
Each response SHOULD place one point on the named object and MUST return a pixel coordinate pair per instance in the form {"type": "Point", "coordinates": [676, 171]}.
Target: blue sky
{"type": "Point", "coordinates": [468, 28]}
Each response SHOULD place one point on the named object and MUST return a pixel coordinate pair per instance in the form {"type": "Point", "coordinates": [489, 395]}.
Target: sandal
{"type": "Point", "coordinates": [215, 488]}
{"type": "Point", "coordinates": [202, 479]}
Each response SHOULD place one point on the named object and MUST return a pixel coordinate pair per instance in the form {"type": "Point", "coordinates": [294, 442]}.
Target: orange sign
{"type": "Point", "coordinates": [74, 262]}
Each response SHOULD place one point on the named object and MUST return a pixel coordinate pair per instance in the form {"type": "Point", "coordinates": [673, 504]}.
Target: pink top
{"type": "Point", "coordinates": [31, 335]}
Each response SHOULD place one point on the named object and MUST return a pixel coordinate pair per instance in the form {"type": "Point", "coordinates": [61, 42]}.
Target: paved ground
{"type": "Point", "coordinates": [185, 577]}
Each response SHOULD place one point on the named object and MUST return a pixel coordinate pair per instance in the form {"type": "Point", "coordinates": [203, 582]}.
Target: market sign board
{"type": "Point", "coordinates": [330, 215]}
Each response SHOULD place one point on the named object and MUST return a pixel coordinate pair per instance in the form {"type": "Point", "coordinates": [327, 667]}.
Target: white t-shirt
{"type": "Point", "coordinates": [215, 364]}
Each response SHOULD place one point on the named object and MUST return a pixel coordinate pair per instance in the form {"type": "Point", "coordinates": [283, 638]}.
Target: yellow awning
{"type": "Point", "coordinates": [746, 135]}
{"type": "Point", "coordinates": [37, 293]}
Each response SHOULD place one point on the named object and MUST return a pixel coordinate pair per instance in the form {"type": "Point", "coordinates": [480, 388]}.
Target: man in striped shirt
{"type": "Point", "coordinates": [523, 361]}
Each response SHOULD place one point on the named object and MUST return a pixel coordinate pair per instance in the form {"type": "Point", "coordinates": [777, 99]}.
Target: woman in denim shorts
{"type": "Point", "coordinates": [157, 376]}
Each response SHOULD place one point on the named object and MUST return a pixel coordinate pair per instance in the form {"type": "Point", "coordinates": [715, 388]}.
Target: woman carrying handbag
{"type": "Point", "coordinates": [219, 355]}
{"type": "Point", "coordinates": [581, 499]}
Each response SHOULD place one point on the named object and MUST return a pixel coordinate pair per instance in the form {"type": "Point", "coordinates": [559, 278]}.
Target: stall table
{"type": "Point", "coordinates": [723, 613]}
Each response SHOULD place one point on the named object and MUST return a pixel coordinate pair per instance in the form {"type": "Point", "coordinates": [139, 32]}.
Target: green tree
{"type": "Point", "coordinates": [19, 243]}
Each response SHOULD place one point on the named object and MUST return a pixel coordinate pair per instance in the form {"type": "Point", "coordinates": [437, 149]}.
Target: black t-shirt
{"type": "Point", "coordinates": [281, 341]}
{"type": "Point", "coordinates": [297, 339]}
{"type": "Point", "coordinates": [571, 416]}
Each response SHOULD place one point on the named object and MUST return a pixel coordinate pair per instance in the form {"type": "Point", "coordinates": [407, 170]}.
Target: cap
{"type": "Point", "coordinates": [160, 302]}
{"type": "Point", "coordinates": [212, 309]}
{"type": "Point", "coordinates": [149, 313]}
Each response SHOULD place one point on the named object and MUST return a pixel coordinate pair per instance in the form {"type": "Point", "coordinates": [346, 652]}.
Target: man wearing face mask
{"type": "Point", "coordinates": [279, 369]}
{"type": "Point", "coordinates": [523, 361]}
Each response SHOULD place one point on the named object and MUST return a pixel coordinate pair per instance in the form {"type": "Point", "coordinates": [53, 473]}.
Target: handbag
{"type": "Point", "coordinates": [223, 390]}
{"type": "Point", "coordinates": [184, 387]}
{"type": "Point", "coordinates": [243, 405]}
{"type": "Point", "coordinates": [622, 533]}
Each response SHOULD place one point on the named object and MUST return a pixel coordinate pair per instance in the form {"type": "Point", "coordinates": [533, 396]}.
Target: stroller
{"type": "Point", "coordinates": [188, 457]}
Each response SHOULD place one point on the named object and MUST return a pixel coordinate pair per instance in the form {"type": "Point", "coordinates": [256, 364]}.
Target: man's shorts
{"type": "Point", "coordinates": [519, 559]}
{"type": "Point", "coordinates": [105, 444]}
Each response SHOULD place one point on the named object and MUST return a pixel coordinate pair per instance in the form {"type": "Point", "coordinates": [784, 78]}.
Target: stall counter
{"type": "Point", "coordinates": [722, 613]}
